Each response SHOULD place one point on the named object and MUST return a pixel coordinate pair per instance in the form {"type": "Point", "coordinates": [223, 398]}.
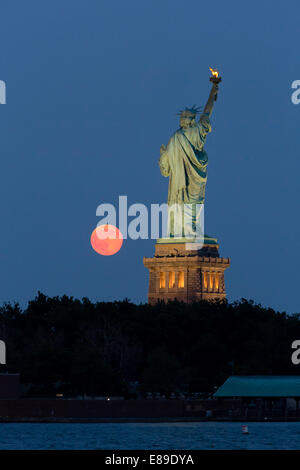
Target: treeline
{"type": "Point", "coordinates": [64, 345]}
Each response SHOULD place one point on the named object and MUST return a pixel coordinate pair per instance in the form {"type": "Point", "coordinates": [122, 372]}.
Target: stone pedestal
{"type": "Point", "coordinates": [188, 275]}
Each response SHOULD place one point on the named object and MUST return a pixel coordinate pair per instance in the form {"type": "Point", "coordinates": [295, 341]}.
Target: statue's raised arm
{"type": "Point", "coordinates": [211, 99]}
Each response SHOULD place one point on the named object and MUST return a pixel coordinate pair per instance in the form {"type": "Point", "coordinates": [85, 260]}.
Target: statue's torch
{"type": "Point", "coordinates": [215, 78]}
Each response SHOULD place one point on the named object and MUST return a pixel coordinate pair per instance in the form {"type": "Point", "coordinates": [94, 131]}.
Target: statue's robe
{"type": "Point", "coordinates": [185, 162]}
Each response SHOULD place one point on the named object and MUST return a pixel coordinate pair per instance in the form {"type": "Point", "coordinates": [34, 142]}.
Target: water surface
{"type": "Point", "coordinates": [153, 436]}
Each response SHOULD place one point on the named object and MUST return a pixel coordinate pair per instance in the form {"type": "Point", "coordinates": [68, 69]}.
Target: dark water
{"type": "Point", "coordinates": [153, 436]}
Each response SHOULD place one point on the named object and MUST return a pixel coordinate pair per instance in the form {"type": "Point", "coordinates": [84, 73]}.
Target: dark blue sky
{"type": "Point", "coordinates": [93, 88]}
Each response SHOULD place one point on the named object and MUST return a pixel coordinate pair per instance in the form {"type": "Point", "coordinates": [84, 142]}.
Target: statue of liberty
{"type": "Point", "coordinates": [184, 161]}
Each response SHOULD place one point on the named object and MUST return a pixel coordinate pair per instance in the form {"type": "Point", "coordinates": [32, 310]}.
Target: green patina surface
{"type": "Point", "coordinates": [260, 386]}
{"type": "Point", "coordinates": [184, 161]}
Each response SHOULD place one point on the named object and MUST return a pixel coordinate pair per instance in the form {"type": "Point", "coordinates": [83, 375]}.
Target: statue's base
{"type": "Point", "coordinates": [186, 270]}
{"type": "Point", "coordinates": [205, 246]}
{"type": "Point", "coordinates": [206, 239]}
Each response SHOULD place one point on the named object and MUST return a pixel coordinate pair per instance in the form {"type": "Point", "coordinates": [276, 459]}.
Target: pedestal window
{"type": "Point", "coordinates": [172, 280]}
{"type": "Point", "coordinates": [162, 280]}
{"type": "Point", "coordinates": [181, 280]}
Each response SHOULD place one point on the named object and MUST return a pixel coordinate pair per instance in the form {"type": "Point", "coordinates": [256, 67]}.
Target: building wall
{"type": "Point", "coordinates": [62, 408]}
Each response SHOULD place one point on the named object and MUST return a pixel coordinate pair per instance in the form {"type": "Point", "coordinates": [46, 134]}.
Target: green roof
{"type": "Point", "coordinates": [260, 386]}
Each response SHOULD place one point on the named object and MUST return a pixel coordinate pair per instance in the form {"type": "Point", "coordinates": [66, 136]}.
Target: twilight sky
{"type": "Point", "coordinates": [93, 88]}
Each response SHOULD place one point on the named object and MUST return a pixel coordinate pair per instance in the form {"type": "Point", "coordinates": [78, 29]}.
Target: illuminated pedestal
{"type": "Point", "coordinates": [177, 272]}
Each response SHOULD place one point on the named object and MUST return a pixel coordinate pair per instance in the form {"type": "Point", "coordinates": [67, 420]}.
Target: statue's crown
{"type": "Point", "coordinates": [190, 112]}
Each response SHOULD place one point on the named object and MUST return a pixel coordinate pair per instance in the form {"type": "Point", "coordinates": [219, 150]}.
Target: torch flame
{"type": "Point", "coordinates": [214, 72]}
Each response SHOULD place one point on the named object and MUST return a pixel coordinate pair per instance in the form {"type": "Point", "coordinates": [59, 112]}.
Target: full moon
{"type": "Point", "coordinates": [106, 239]}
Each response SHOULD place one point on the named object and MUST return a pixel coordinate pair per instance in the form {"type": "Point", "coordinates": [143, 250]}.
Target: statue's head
{"type": "Point", "coordinates": [188, 117]}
